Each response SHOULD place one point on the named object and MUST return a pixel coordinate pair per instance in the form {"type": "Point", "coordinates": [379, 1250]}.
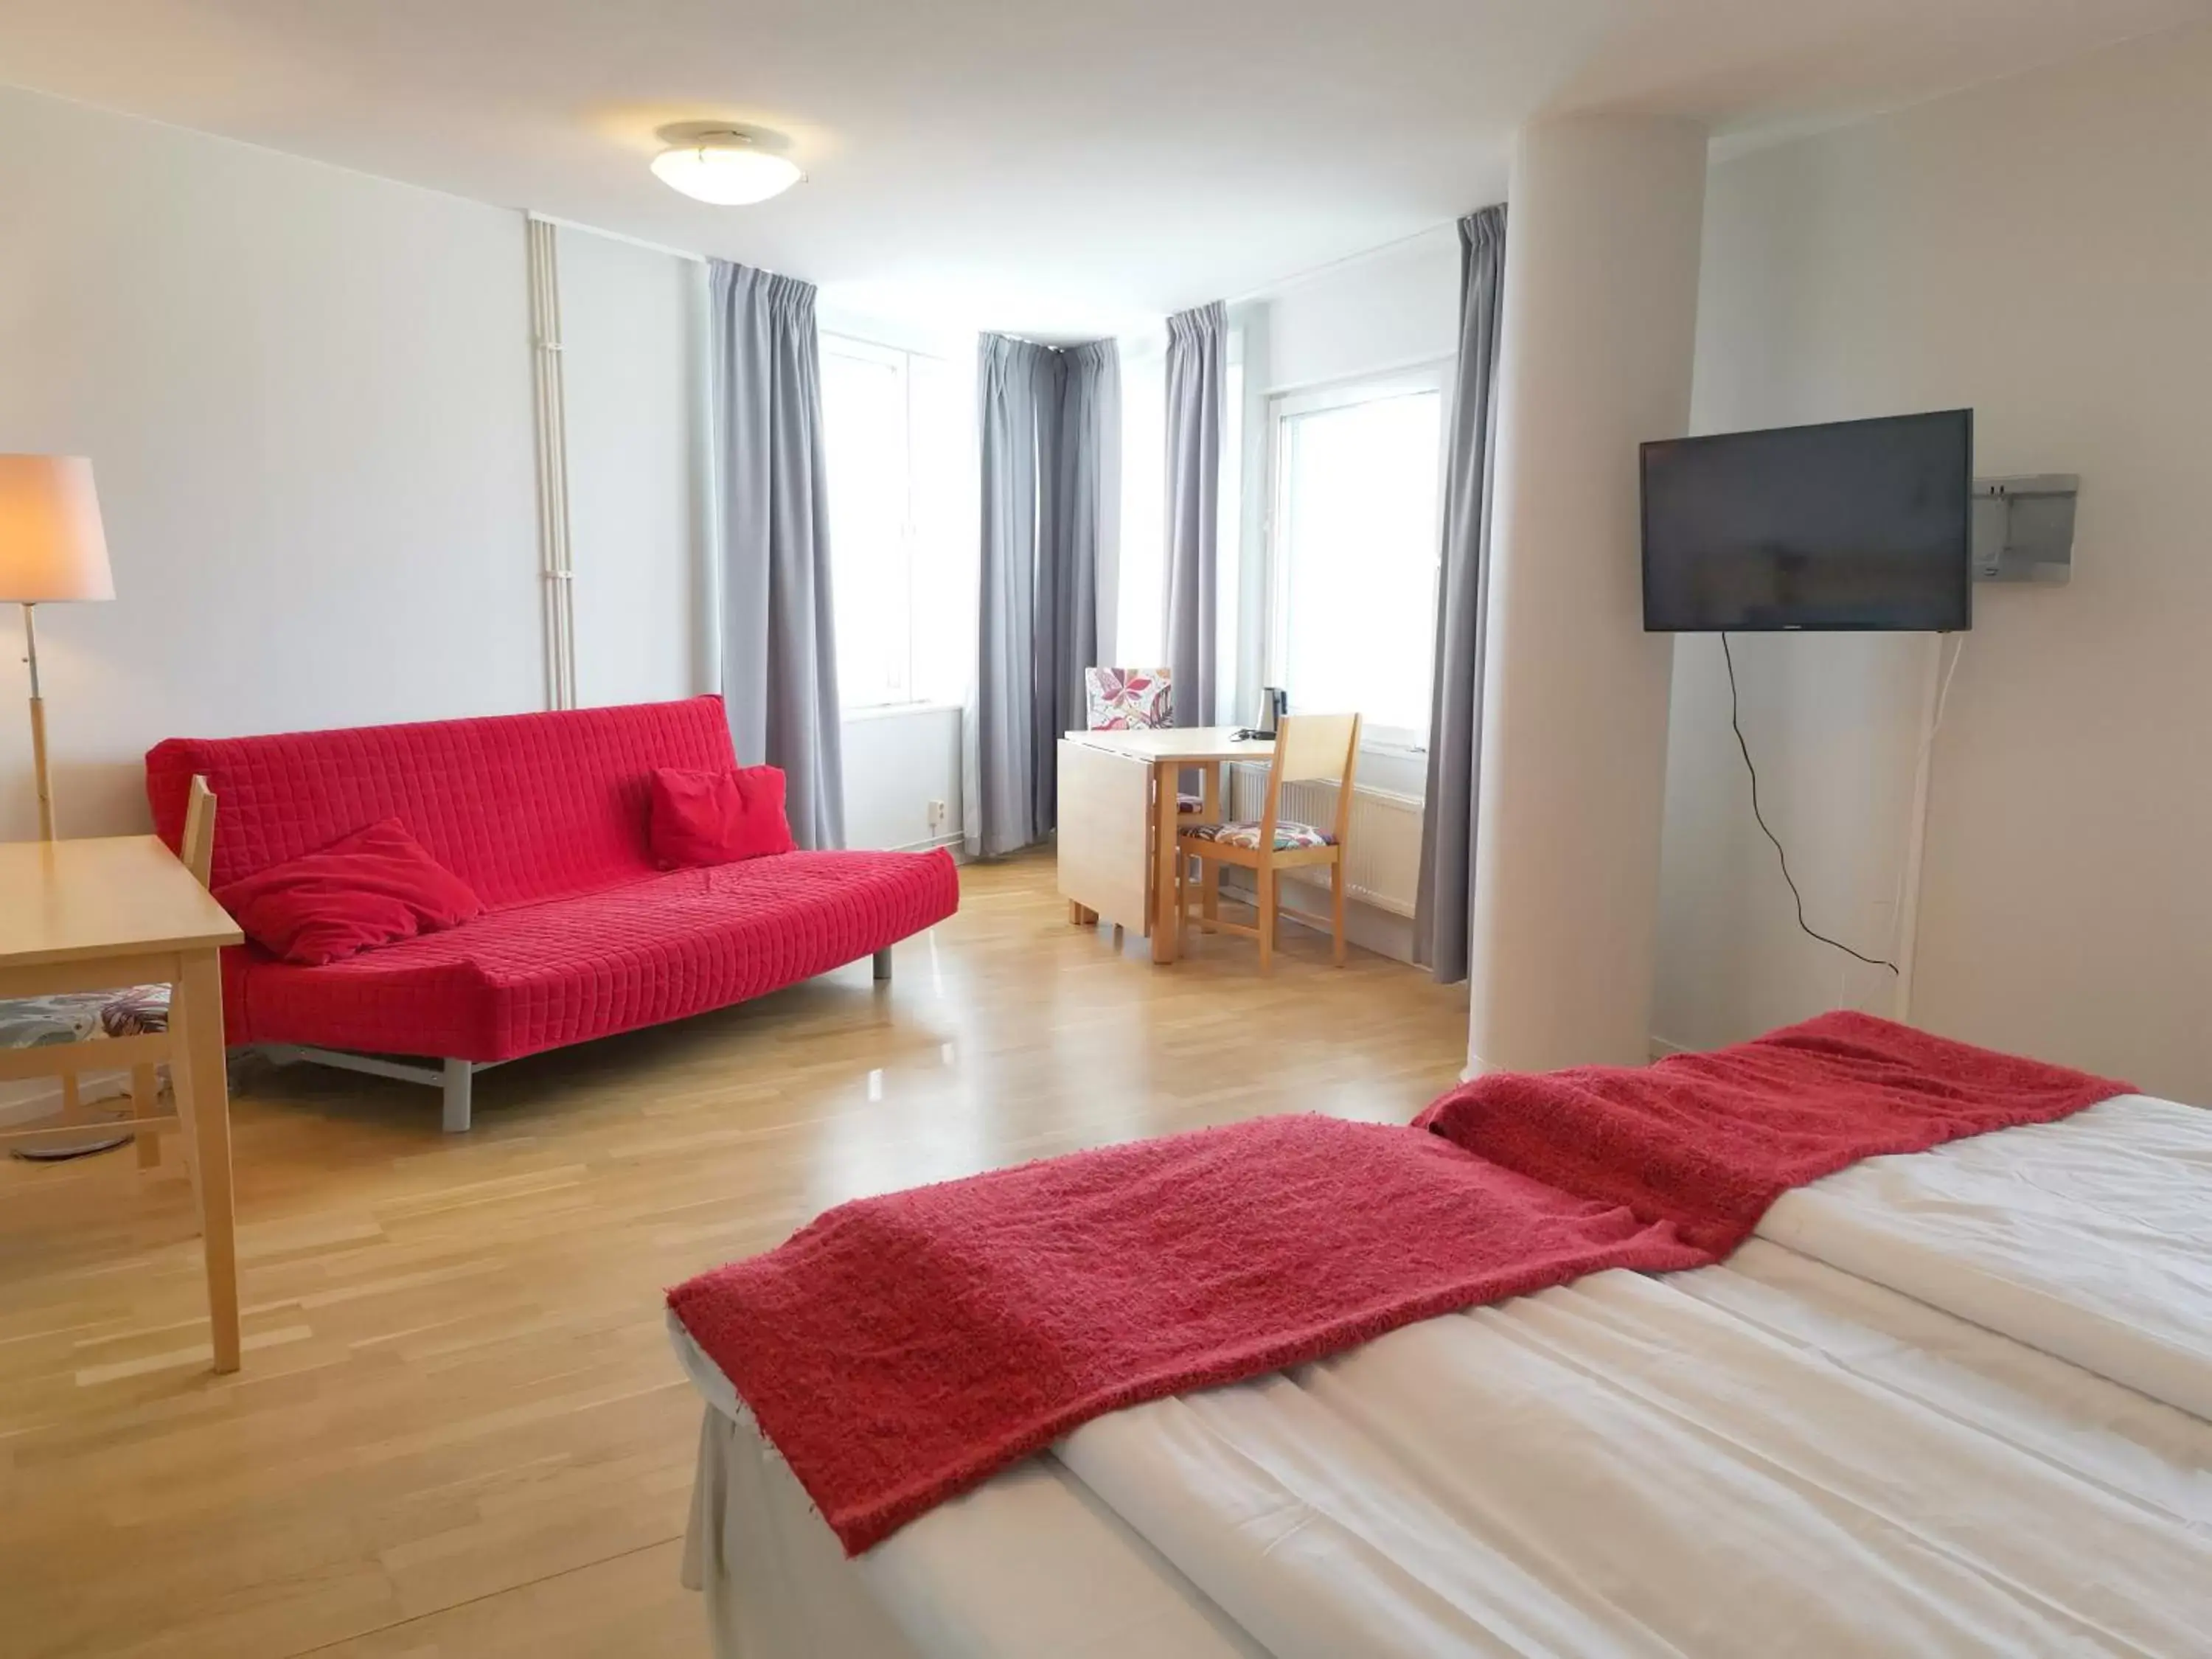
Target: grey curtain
{"type": "Point", "coordinates": [1046, 416]}
{"type": "Point", "coordinates": [1198, 359]}
{"type": "Point", "coordinates": [1441, 905]}
{"type": "Point", "coordinates": [1082, 425]}
{"type": "Point", "coordinates": [999, 765]}
{"type": "Point", "coordinates": [779, 648]}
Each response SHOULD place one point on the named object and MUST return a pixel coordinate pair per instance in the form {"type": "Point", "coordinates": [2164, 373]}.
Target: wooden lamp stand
{"type": "Point", "coordinates": [38, 728]}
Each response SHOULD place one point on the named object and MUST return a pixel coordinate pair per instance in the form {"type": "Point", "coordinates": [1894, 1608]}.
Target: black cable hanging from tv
{"type": "Point", "coordinates": [1735, 724]}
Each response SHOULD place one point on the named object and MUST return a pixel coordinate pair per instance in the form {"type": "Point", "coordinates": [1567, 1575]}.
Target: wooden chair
{"type": "Point", "coordinates": [1307, 747]}
{"type": "Point", "coordinates": [129, 1023]}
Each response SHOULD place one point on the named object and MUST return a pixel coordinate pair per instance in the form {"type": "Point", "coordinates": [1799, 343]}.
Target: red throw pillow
{"type": "Point", "coordinates": [373, 887]}
{"type": "Point", "coordinates": [718, 817]}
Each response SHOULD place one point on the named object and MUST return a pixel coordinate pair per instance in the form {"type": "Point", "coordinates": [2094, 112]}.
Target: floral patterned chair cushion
{"type": "Point", "coordinates": [1288, 835]}
{"type": "Point", "coordinates": [138, 1012]}
{"type": "Point", "coordinates": [1129, 699]}
{"type": "Point", "coordinates": [45, 1021]}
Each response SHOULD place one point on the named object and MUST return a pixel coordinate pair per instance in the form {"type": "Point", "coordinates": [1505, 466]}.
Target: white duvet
{"type": "Point", "coordinates": [1953, 1403]}
{"type": "Point", "coordinates": [2089, 1238]}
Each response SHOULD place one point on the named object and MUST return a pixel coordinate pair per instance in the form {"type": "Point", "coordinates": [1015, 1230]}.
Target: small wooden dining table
{"type": "Point", "coordinates": [1117, 817]}
{"type": "Point", "coordinates": [105, 915]}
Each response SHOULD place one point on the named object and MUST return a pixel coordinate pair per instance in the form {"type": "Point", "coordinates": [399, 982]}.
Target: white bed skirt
{"type": "Point", "coordinates": [776, 1584]}
{"type": "Point", "coordinates": [1029, 1566]}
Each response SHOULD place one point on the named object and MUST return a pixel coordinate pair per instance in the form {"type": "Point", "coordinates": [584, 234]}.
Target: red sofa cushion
{"type": "Point", "coordinates": [718, 817]}
{"type": "Point", "coordinates": [373, 887]}
{"type": "Point", "coordinates": [537, 977]}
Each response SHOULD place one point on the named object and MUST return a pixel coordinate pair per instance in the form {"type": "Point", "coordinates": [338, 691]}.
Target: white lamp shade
{"type": "Point", "coordinates": [726, 172]}
{"type": "Point", "coordinates": [52, 546]}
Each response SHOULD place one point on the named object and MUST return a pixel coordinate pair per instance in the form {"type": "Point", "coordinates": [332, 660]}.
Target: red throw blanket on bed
{"type": "Point", "coordinates": [900, 1350]}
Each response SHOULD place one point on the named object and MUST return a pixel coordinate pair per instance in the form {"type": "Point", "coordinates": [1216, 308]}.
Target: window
{"type": "Point", "coordinates": [894, 450]}
{"type": "Point", "coordinates": [1139, 638]}
{"type": "Point", "coordinates": [1352, 550]}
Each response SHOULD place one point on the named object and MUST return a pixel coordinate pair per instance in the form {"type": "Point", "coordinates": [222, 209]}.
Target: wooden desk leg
{"type": "Point", "coordinates": [1209, 873]}
{"type": "Point", "coordinates": [1165, 922]}
{"type": "Point", "coordinates": [196, 1067]}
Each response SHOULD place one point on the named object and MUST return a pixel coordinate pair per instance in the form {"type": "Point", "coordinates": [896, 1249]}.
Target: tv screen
{"type": "Point", "coordinates": [1850, 525]}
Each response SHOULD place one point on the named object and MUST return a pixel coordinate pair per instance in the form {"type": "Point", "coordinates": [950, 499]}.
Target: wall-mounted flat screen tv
{"type": "Point", "coordinates": [1850, 525]}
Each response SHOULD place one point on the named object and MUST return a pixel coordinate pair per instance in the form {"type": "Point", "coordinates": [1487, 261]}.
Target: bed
{"type": "Point", "coordinates": [1954, 1402]}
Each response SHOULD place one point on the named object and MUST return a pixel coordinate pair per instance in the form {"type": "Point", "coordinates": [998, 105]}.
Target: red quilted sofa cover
{"type": "Point", "coordinates": [544, 814]}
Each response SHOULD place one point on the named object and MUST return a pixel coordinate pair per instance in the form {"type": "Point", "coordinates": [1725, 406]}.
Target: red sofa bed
{"type": "Point", "coordinates": [582, 935]}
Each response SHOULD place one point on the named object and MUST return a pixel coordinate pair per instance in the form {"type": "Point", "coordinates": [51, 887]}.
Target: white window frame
{"type": "Point", "coordinates": [903, 360]}
{"type": "Point", "coordinates": [1434, 376]}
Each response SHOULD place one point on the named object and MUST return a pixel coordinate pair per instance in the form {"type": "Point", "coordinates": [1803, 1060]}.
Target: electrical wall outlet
{"type": "Point", "coordinates": [937, 815]}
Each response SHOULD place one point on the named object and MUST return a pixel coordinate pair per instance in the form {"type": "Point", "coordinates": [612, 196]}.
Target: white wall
{"type": "Point", "coordinates": [1384, 310]}
{"type": "Point", "coordinates": [305, 394]}
{"type": "Point", "coordinates": [633, 334]}
{"type": "Point", "coordinates": [2040, 249]}
{"type": "Point", "coordinates": [897, 762]}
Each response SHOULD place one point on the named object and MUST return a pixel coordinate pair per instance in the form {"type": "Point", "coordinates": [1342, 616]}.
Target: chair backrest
{"type": "Point", "coordinates": [1310, 747]}
{"type": "Point", "coordinates": [1129, 699]}
{"type": "Point", "coordinates": [196, 849]}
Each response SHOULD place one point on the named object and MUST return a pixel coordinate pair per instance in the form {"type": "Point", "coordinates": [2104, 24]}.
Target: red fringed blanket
{"type": "Point", "coordinates": [900, 1350]}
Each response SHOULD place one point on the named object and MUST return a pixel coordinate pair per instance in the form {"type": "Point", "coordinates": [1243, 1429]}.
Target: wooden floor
{"type": "Point", "coordinates": [459, 1431]}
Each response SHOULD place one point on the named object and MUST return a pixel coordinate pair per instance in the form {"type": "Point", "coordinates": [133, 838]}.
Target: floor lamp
{"type": "Point", "coordinates": [52, 549]}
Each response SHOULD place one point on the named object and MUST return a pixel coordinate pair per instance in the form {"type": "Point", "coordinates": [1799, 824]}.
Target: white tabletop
{"type": "Point", "coordinates": [1181, 743]}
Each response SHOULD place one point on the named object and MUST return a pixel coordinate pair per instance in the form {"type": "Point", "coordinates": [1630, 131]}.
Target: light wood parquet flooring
{"type": "Point", "coordinates": [459, 1431]}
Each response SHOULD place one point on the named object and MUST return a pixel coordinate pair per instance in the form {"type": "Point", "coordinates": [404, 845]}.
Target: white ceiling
{"type": "Point", "coordinates": [1059, 167]}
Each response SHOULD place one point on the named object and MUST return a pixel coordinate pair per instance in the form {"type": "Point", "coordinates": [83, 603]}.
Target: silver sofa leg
{"type": "Point", "coordinates": [459, 1073]}
{"type": "Point", "coordinates": [884, 964]}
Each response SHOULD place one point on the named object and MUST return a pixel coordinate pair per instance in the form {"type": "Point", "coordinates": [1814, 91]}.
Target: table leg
{"type": "Point", "coordinates": [1209, 874]}
{"type": "Point", "coordinates": [1165, 922]}
{"type": "Point", "coordinates": [196, 1065]}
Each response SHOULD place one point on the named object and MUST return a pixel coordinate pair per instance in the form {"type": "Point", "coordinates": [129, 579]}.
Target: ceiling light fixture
{"type": "Point", "coordinates": [728, 168]}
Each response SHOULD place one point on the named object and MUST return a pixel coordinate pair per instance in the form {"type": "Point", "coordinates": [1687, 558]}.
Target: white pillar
{"type": "Point", "coordinates": [1601, 244]}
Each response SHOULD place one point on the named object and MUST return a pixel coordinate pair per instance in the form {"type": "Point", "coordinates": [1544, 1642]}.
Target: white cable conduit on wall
{"type": "Point", "coordinates": [1936, 693]}
{"type": "Point", "coordinates": [554, 563]}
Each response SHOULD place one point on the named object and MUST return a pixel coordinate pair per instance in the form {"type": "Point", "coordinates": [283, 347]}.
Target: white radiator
{"type": "Point", "coordinates": [1382, 868]}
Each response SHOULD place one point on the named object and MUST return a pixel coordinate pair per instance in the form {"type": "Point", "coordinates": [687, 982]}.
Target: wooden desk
{"type": "Point", "coordinates": [1117, 810]}
{"type": "Point", "coordinates": [98, 915]}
